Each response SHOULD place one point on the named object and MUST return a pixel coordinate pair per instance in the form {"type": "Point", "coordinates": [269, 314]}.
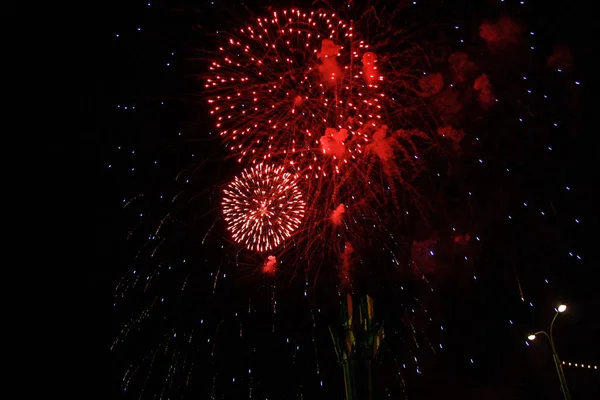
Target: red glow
{"type": "Point", "coordinates": [484, 87]}
{"type": "Point", "coordinates": [500, 34]}
{"type": "Point", "coordinates": [431, 84]}
{"type": "Point", "coordinates": [269, 265]}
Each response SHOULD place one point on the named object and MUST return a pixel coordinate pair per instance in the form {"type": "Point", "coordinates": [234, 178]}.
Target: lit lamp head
{"type": "Point", "coordinates": [531, 337]}
{"type": "Point", "coordinates": [562, 308]}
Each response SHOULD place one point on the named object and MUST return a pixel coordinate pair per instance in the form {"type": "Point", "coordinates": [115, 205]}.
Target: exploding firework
{"type": "Point", "coordinates": [263, 207]}
{"type": "Point", "coordinates": [297, 84]}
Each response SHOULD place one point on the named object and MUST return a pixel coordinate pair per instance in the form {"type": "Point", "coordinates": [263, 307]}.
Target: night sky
{"type": "Point", "coordinates": [188, 313]}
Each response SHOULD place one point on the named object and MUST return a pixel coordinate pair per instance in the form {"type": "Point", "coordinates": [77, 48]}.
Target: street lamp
{"type": "Point", "coordinates": [561, 376]}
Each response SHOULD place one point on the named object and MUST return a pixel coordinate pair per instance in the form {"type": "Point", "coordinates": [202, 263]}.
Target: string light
{"type": "Point", "coordinates": [580, 365]}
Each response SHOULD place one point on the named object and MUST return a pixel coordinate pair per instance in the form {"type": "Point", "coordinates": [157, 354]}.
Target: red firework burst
{"type": "Point", "coordinates": [296, 84]}
{"type": "Point", "coordinates": [263, 207]}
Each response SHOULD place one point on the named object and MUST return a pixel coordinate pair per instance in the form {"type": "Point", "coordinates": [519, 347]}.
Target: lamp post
{"type": "Point", "coordinates": [559, 370]}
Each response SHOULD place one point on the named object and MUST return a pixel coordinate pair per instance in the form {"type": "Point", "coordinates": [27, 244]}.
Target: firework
{"type": "Point", "coordinates": [263, 207]}
{"type": "Point", "coordinates": [296, 84]}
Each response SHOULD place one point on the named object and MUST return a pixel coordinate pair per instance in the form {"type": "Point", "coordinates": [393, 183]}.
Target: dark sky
{"type": "Point", "coordinates": [484, 320]}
